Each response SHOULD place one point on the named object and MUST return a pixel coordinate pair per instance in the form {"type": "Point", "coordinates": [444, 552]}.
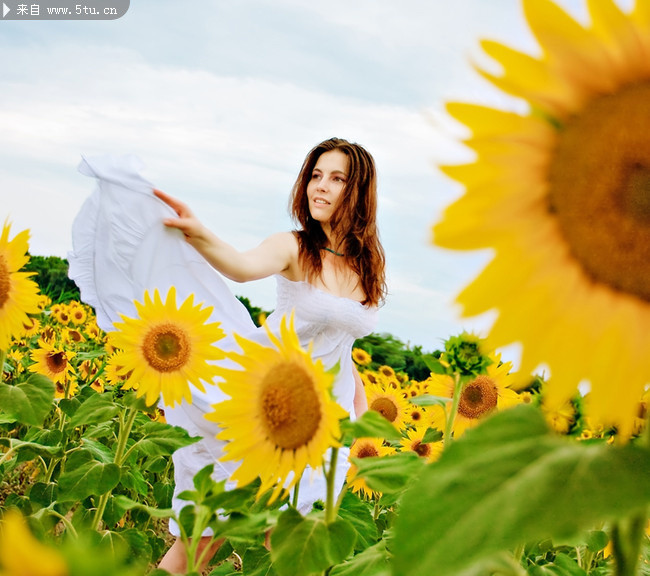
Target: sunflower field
{"type": "Point", "coordinates": [460, 465]}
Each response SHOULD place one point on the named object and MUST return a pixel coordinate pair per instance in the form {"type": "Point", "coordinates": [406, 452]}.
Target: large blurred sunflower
{"type": "Point", "coordinates": [562, 196]}
{"type": "Point", "coordinates": [166, 348]}
{"type": "Point", "coordinates": [18, 293]}
{"type": "Point", "coordinates": [22, 554]}
{"type": "Point", "coordinates": [281, 415]}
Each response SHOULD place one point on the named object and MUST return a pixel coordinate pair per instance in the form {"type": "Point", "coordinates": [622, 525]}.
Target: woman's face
{"type": "Point", "coordinates": [328, 179]}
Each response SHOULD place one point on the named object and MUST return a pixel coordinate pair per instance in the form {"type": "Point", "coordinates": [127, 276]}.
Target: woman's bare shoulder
{"type": "Point", "coordinates": [286, 243]}
{"type": "Point", "coordinates": [284, 240]}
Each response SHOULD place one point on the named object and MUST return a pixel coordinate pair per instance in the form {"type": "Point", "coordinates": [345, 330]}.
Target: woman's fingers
{"type": "Point", "coordinates": [179, 207]}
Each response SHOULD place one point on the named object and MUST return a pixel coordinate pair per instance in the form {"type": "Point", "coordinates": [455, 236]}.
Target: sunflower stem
{"type": "Point", "coordinates": [330, 506]}
{"type": "Point", "coordinates": [3, 357]}
{"type": "Point", "coordinates": [627, 537]}
{"type": "Point", "coordinates": [449, 425]}
{"type": "Point", "coordinates": [296, 491]}
{"type": "Point", "coordinates": [7, 455]}
{"type": "Point", "coordinates": [122, 438]}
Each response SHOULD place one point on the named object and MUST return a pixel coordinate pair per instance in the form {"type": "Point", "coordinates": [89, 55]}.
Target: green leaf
{"type": "Point", "coordinates": [433, 364]}
{"type": "Point", "coordinates": [6, 419]}
{"type": "Point", "coordinates": [155, 464]}
{"type": "Point", "coordinates": [100, 451]}
{"type": "Point", "coordinates": [37, 448]}
{"type": "Point", "coordinates": [430, 400]}
{"type": "Point", "coordinates": [114, 511]}
{"type": "Point", "coordinates": [597, 540]}
{"type": "Point", "coordinates": [132, 478]}
{"type": "Point", "coordinates": [256, 561]}
{"type": "Point", "coordinates": [388, 474]}
{"type": "Point", "coordinates": [225, 569]}
{"type": "Point", "coordinates": [30, 401]}
{"type": "Point", "coordinates": [84, 476]}
{"type": "Point", "coordinates": [241, 526]}
{"type": "Point", "coordinates": [371, 562]}
{"type": "Point", "coordinates": [432, 435]}
{"type": "Point", "coordinates": [96, 409]}
{"type": "Point", "coordinates": [131, 400]}
{"type": "Point", "coordinates": [43, 494]}
{"type": "Point", "coordinates": [69, 406]}
{"type": "Point", "coordinates": [509, 481]}
{"type": "Point", "coordinates": [358, 513]}
{"type": "Point", "coordinates": [160, 439]}
{"type": "Point", "coordinates": [562, 565]}
{"type": "Point", "coordinates": [129, 504]}
{"type": "Point", "coordinates": [371, 425]}
{"type": "Point", "coordinates": [163, 492]}
{"type": "Point", "coordinates": [301, 546]}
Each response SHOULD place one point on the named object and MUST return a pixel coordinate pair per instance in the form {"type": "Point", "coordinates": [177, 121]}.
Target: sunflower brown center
{"type": "Point", "coordinates": [599, 189]}
{"type": "Point", "coordinates": [5, 280]}
{"type": "Point", "coordinates": [166, 347]}
{"type": "Point", "coordinates": [386, 407]}
{"type": "Point", "coordinates": [56, 362]}
{"type": "Point", "coordinates": [423, 450]}
{"type": "Point", "coordinates": [478, 397]}
{"type": "Point", "coordinates": [290, 406]}
{"type": "Point", "coordinates": [367, 451]}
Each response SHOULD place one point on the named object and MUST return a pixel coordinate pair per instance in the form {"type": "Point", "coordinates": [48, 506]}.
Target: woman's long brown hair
{"type": "Point", "coordinates": [354, 219]}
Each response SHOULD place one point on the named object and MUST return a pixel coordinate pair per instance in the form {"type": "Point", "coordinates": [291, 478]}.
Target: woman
{"type": "Point", "coordinates": [330, 273]}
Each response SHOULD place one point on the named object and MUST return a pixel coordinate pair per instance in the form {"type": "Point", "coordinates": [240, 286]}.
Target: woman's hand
{"type": "Point", "coordinates": [186, 222]}
{"type": "Point", "coordinates": [274, 255]}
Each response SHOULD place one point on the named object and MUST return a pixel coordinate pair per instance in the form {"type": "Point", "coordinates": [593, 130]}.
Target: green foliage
{"type": "Point", "coordinates": [511, 480]}
{"type": "Point", "coordinates": [52, 278]}
{"type": "Point", "coordinates": [257, 314]}
{"type": "Point", "coordinates": [387, 350]}
{"type": "Point", "coordinates": [93, 475]}
{"type": "Point", "coordinates": [306, 546]}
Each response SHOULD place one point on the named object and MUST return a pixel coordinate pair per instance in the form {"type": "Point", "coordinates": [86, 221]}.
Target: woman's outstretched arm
{"type": "Point", "coordinates": [360, 398]}
{"type": "Point", "coordinates": [274, 255]}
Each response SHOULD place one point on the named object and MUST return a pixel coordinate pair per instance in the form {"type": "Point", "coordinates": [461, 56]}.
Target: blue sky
{"type": "Point", "coordinates": [222, 99]}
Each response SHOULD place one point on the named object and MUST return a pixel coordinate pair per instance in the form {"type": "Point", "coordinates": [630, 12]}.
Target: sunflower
{"type": "Point", "coordinates": [93, 331]}
{"type": "Point", "coordinates": [87, 369]}
{"type": "Point", "coordinates": [21, 553]}
{"type": "Point", "coordinates": [389, 402]}
{"type": "Point", "coordinates": [72, 336]}
{"type": "Point", "coordinates": [78, 314]}
{"type": "Point", "coordinates": [166, 347]}
{"type": "Point", "coordinates": [562, 196]}
{"type": "Point", "coordinates": [415, 415]}
{"type": "Point", "coordinates": [387, 372]}
{"type": "Point", "coordinates": [113, 369]}
{"type": "Point", "coordinates": [52, 361]}
{"type": "Point", "coordinates": [281, 415]}
{"type": "Point", "coordinates": [560, 418]}
{"type": "Point", "coordinates": [413, 441]}
{"type": "Point", "coordinates": [365, 448]}
{"type": "Point", "coordinates": [361, 357]}
{"type": "Point", "coordinates": [369, 378]}
{"type": "Point", "coordinates": [479, 397]}
{"type": "Point", "coordinates": [18, 293]}
{"type": "Point", "coordinates": [62, 314]}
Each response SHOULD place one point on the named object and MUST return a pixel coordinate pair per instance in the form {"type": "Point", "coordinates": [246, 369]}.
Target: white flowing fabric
{"type": "Point", "coordinates": [121, 248]}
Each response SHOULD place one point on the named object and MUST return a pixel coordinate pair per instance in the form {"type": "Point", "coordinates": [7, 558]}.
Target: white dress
{"type": "Point", "coordinates": [121, 248]}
